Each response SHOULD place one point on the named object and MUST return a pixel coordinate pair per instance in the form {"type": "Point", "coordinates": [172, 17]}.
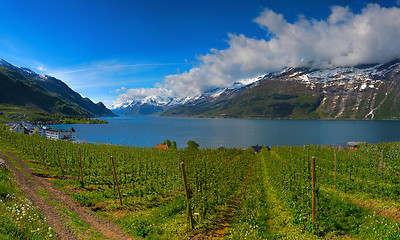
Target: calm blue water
{"type": "Point", "coordinates": [150, 131]}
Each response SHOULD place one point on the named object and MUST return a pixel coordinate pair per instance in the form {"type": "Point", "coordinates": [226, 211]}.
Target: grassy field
{"type": "Point", "coordinates": [19, 218]}
{"type": "Point", "coordinates": [11, 113]}
{"type": "Point", "coordinates": [233, 193]}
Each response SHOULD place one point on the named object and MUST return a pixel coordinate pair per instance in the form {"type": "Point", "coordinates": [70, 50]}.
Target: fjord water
{"type": "Point", "coordinates": [213, 132]}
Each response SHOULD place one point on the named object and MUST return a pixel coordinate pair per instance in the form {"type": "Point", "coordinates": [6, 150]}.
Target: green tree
{"type": "Point", "coordinates": [35, 131]}
{"type": "Point", "coordinates": [167, 142]}
{"type": "Point", "coordinates": [174, 145]}
{"type": "Point", "coordinates": [192, 145]}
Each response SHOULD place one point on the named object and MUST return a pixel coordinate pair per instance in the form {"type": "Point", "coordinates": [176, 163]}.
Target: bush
{"type": "Point", "coordinates": [192, 145]}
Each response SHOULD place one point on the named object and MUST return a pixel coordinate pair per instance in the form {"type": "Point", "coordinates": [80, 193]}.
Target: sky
{"type": "Point", "coordinates": [121, 50]}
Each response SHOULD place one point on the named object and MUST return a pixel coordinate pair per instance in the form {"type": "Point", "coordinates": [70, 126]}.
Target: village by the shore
{"type": "Point", "coordinates": [43, 131]}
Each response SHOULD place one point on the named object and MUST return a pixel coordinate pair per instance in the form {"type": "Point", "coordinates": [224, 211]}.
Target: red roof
{"type": "Point", "coordinates": [162, 146]}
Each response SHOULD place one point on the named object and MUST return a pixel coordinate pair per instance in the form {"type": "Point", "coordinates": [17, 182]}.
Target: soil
{"type": "Point", "coordinates": [32, 183]}
{"type": "Point", "coordinates": [220, 227]}
{"type": "Point", "coordinates": [380, 208]}
{"type": "Point", "coordinates": [384, 208]}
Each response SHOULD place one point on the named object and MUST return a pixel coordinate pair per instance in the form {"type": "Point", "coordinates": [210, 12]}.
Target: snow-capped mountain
{"type": "Point", "coordinates": [156, 104]}
{"type": "Point", "coordinates": [361, 92]}
{"type": "Point", "coordinates": [151, 100]}
{"type": "Point", "coordinates": [150, 105]}
{"type": "Point", "coordinates": [369, 91]}
{"type": "Point", "coordinates": [24, 71]}
{"type": "Point", "coordinates": [236, 86]}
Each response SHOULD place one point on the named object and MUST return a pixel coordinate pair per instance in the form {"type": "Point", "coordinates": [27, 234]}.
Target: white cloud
{"type": "Point", "coordinates": [140, 93]}
{"type": "Point", "coordinates": [343, 39]}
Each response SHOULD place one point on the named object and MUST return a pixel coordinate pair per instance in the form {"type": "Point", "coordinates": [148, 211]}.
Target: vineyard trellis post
{"type": "Point", "coordinates": [116, 180]}
{"type": "Point", "coordinates": [313, 188]}
{"type": "Point", "coordinates": [187, 194]}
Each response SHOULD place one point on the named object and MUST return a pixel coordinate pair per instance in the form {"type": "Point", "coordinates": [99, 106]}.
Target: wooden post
{"type": "Point", "coordinates": [80, 165]}
{"type": "Point", "coordinates": [59, 162]}
{"type": "Point", "coordinates": [116, 180]}
{"type": "Point", "coordinates": [41, 152]}
{"type": "Point", "coordinates": [187, 194]}
{"type": "Point", "coordinates": [313, 188]}
{"type": "Point", "coordinates": [334, 155]}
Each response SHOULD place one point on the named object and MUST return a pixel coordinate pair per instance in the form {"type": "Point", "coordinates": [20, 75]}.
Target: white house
{"type": "Point", "coordinates": [18, 128]}
{"type": "Point", "coordinates": [58, 134]}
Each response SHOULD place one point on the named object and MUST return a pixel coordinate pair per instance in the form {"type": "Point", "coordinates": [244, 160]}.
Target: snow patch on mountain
{"type": "Point", "coordinates": [160, 101]}
{"type": "Point", "coordinates": [23, 70]}
{"type": "Point", "coordinates": [365, 76]}
{"type": "Point", "coordinates": [157, 101]}
{"type": "Point", "coordinates": [214, 93]}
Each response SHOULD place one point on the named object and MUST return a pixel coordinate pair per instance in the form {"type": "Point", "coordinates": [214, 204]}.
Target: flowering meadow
{"type": "Point", "coordinates": [19, 219]}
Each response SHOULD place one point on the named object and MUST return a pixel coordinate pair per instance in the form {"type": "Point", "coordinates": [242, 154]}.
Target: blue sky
{"type": "Point", "coordinates": [113, 51]}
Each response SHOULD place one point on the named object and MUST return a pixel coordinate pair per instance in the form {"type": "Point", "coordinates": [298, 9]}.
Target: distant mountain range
{"type": "Point", "coordinates": [369, 91]}
{"type": "Point", "coordinates": [156, 105]}
{"type": "Point", "coordinates": [361, 92]}
{"type": "Point", "coordinates": [45, 94]}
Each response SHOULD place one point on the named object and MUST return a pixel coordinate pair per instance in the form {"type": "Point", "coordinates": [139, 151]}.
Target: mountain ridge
{"type": "Point", "coordinates": [156, 105]}
{"type": "Point", "coordinates": [23, 87]}
{"type": "Point", "coordinates": [369, 91]}
{"type": "Point", "coordinates": [365, 91]}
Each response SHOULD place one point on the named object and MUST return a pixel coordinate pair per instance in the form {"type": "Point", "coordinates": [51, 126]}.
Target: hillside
{"type": "Point", "coordinates": [26, 91]}
{"type": "Point", "coordinates": [360, 92]}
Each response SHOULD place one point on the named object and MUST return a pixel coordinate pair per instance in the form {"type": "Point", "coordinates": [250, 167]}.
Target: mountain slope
{"type": "Point", "coordinates": [23, 87]}
{"type": "Point", "coordinates": [360, 92]}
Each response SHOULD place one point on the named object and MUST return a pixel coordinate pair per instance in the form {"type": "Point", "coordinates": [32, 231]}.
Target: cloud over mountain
{"type": "Point", "coordinates": [137, 94]}
{"type": "Point", "coordinates": [344, 38]}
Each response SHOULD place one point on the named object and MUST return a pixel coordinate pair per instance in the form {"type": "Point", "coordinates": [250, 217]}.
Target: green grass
{"type": "Point", "coordinates": [11, 113]}
{"type": "Point", "coordinates": [44, 193]}
{"type": "Point", "coordinates": [19, 219]}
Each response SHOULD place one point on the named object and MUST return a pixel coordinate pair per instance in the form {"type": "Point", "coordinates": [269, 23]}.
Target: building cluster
{"type": "Point", "coordinates": [47, 132]}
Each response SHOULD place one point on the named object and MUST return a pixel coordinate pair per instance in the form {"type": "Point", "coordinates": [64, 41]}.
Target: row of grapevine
{"type": "Point", "coordinates": [371, 170]}
{"type": "Point", "coordinates": [147, 177]}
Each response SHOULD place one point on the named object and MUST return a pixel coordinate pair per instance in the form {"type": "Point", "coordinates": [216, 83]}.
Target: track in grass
{"type": "Point", "coordinates": [59, 209]}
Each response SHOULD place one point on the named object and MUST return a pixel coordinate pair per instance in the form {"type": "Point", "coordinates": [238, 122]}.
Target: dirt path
{"type": "Point", "coordinates": [225, 219]}
{"type": "Point", "coordinates": [56, 219]}
{"type": "Point", "coordinates": [381, 207]}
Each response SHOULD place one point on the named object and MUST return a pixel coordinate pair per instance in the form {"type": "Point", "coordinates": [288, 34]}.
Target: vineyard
{"type": "Point", "coordinates": [230, 193]}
